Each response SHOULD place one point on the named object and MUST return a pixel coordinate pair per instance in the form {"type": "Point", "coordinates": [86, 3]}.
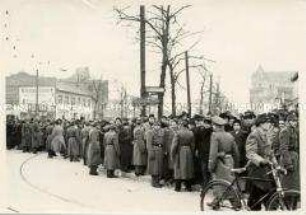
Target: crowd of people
{"type": "Point", "coordinates": [173, 150]}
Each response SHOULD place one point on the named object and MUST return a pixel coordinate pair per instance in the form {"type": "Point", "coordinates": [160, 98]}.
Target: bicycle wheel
{"type": "Point", "coordinates": [290, 201]}
{"type": "Point", "coordinates": [219, 195]}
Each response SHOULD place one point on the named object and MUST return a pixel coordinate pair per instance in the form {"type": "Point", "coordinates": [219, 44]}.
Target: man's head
{"type": "Point", "coordinates": [151, 119]}
{"type": "Point", "coordinates": [118, 121]}
{"type": "Point", "coordinates": [237, 125]}
{"type": "Point", "coordinates": [218, 123]}
{"type": "Point", "coordinates": [263, 121]}
{"type": "Point", "coordinates": [248, 118]}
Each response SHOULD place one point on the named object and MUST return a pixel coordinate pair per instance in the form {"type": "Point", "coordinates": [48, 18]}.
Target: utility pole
{"type": "Point", "coordinates": [142, 59]}
{"type": "Point", "coordinates": [210, 93]}
{"type": "Point", "coordinates": [36, 92]}
{"type": "Point", "coordinates": [188, 84]}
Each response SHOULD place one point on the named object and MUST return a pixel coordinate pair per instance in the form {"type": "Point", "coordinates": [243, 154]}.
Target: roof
{"type": "Point", "coordinates": [72, 88]}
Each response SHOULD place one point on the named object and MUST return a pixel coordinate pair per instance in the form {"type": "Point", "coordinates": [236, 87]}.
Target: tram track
{"type": "Point", "coordinates": [44, 191]}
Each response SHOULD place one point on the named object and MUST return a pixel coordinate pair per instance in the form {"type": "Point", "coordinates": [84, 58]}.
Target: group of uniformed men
{"type": "Point", "coordinates": [172, 150]}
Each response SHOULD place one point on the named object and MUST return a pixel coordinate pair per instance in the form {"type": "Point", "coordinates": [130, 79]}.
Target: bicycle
{"type": "Point", "coordinates": [231, 197]}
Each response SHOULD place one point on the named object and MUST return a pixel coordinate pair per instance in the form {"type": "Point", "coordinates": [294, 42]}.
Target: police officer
{"type": "Point", "coordinates": [140, 150]}
{"type": "Point", "coordinates": [156, 150]}
{"type": "Point", "coordinates": [94, 153]}
{"type": "Point", "coordinates": [112, 151]}
{"type": "Point", "coordinates": [182, 151]}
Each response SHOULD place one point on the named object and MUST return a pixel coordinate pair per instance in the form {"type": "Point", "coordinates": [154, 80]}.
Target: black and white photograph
{"type": "Point", "coordinates": [151, 106]}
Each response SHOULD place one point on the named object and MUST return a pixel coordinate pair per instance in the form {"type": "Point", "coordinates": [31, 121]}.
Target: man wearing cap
{"type": "Point", "coordinates": [226, 116]}
{"type": "Point", "coordinates": [126, 147]}
{"type": "Point", "coordinates": [156, 149]}
{"type": "Point", "coordinates": [94, 150]}
{"type": "Point", "coordinates": [84, 138]}
{"type": "Point", "coordinates": [58, 141]}
{"type": "Point", "coordinates": [289, 153]}
{"type": "Point", "coordinates": [73, 136]}
{"type": "Point", "coordinates": [182, 151]}
{"type": "Point", "coordinates": [223, 150]}
{"type": "Point", "coordinates": [173, 128]}
{"type": "Point", "coordinates": [112, 151]}
{"type": "Point", "coordinates": [140, 150]}
{"type": "Point", "coordinates": [248, 121]}
{"type": "Point", "coordinates": [203, 147]}
{"type": "Point", "coordinates": [240, 139]}
{"type": "Point", "coordinates": [259, 151]}
{"type": "Point", "coordinates": [223, 155]}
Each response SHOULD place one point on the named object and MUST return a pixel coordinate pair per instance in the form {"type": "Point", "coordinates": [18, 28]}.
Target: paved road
{"type": "Point", "coordinates": [38, 184]}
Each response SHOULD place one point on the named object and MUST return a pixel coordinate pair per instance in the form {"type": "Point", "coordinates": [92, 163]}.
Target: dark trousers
{"type": "Point", "coordinates": [178, 185]}
{"type": "Point", "coordinates": [51, 153]}
{"type": "Point", "coordinates": [140, 170]}
{"type": "Point", "coordinates": [93, 170]}
{"type": "Point", "coordinates": [156, 181]}
{"type": "Point", "coordinates": [205, 172]}
{"type": "Point", "coordinates": [255, 195]}
{"type": "Point", "coordinates": [110, 173]}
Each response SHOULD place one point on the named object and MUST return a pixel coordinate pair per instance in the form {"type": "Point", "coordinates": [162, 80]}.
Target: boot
{"type": "Point", "coordinates": [137, 170]}
{"type": "Point", "coordinates": [93, 170]}
{"type": "Point", "coordinates": [155, 182]}
{"type": "Point", "coordinates": [178, 185]}
{"type": "Point", "coordinates": [188, 185]}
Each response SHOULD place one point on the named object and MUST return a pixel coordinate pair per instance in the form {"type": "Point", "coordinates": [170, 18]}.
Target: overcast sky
{"type": "Point", "coordinates": [238, 35]}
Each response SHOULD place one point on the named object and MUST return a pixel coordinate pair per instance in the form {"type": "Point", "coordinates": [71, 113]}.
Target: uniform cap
{"type": "Point", "coordinates": [218, 121]}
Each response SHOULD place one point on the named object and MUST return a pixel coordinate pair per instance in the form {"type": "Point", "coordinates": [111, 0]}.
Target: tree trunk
{"type": "Point", "coordinates": [173, 92]}
{"type": "Point", "coordinates": [202, 98]}
{"type": "Point", "coordinates": [165, 41]}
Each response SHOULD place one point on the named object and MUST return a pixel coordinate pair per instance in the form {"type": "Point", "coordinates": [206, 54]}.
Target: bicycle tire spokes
{"type": "Point", "coordinates": [221, 197]}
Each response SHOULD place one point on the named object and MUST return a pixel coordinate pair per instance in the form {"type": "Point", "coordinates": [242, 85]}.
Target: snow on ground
{"type": "Point", "coordinates": [38, 184]}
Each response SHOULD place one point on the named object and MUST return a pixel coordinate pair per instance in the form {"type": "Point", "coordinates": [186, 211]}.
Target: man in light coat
{"type": "Point", "coordinates": [156, 150]}
{"type": "Point", "coordinates": [140, 150]}
{"type": "Point", "coordinates": [111, 152]}
{"type": "Point", "coordinates": [259, 151]}
{"type": "Point", "coordinates": [182, 151]}
{"type": "Point", "coordinates": [94, 150]}
{"type": "Point", "coordinates": [58, 141]}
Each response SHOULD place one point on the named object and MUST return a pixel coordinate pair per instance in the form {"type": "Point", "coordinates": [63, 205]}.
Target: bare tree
{"type": "Point", "coordinates": [162, 19]}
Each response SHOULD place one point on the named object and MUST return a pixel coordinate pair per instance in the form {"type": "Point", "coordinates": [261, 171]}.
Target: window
{"type": "Point", "coordinates": [73, 100]}
{"type": "Point", "coordinates": [88, 102]}
{"type": "Point", "coordinates": [59, 99]}
{"type": "Point", "coordinates": [66, 99]}
{"type": "Point", "coordinates": [84, 102]}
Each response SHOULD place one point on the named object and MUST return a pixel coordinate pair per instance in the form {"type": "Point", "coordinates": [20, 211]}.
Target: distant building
{"type": "Point", "coordinates": [270, 90]}
{"type": "Point", "coordinates": [56, 98]}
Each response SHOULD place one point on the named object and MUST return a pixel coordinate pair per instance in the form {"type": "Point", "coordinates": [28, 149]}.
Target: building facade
{"type": "Point", "coordinates": [270, 90]}
{"type": "Point", "coordinates": [56, 98]}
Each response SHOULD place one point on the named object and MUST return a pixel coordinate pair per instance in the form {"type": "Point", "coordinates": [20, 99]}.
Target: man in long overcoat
{"type": "Point", "coordinates": [58, 141]}
{"type": "Point", "coordinates": [182, 151]}
{"type": "Point", "coordinates": [73, 137]}
{"type": "Point", "coordinates": [126, 147]}
{"type": "Point", "coordinates": [288, 151]}
{"type": "Point", "coordinates": [26, 136]}
{"type": "Point", "coordinates": [156, 150]}
{"type": "Point", "coordinates": [140, 150]}
{"type": "Point", "coordinates": [202, 144]}
{"type": "Point", "coordinates": [112, 151]}
{"type": "Point", "coordinates": [223, 155]}
{"type": "Point", "coordinates": [85, 138]}
{"type": "Point", "coordinates": [94, 150]}
{"type": "Point", "coordinates": [49, 130]}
